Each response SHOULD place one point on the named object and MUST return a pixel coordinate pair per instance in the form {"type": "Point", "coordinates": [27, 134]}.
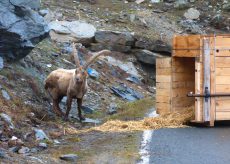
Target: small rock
{"type": "Point", "coordinates": [6, 118]}
{"type": "Point", "coordinates": [2, 153]}
{"type": "Point", "coordinates": [93, 73]}
{"type": "Point", "coordinates": [139, 1]}
{"type": "Point", "coordinates": [155, 1]}
{"type": "Point", "coordinates": [42, 145]}
{"type": "Point", "coordinates": [40, 135]}
{"type": "Point", "coordinates": [226, 7]}
{"type": "Point", "coordinates": [14, 141]}
{"type": "Point", "coordinates": [181, 4]}
{"type": "Point", "coordinates": [192, 13]}
{"type": "Point", "coordinates": [43, 12]}
{"type": "Point", "coordinates": [24, 150]}
{"type": "Point", "coordinates": [112, 109]}
{"type": "Point", "coordinates": [14, 149]}
{"type": "Point", "coordinates": [5, 95]}
{"type": "Point", "coordinates": [34, 150]}
{"type": "Point", "coordinates": [57, 142]}
{"type": "Point", "coordinates": [1, 63]}
{"type": "Point", "coordinates": [69, 157]}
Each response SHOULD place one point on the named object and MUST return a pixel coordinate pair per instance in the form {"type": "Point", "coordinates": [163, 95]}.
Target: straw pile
{"type": "Point", "coordinates": [169, 120]}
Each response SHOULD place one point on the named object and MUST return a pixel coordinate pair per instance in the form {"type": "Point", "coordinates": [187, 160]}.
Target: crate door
{"type": "Point", "coordinates": [222, 77]}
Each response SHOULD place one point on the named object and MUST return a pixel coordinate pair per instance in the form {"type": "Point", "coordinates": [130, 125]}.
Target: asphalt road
{"type": "Point", "coordinates": [190, 146]}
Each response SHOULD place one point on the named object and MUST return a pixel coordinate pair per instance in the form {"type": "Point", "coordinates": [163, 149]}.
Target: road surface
{"type": "Point", "coordinates": [190, 146]}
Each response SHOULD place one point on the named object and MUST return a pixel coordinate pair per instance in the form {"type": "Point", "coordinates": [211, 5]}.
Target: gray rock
{"type": "Point", "coordinates": [1, 63]}
{"type": "Point", "coordinates": [226, 6]}
{"type": "Point", "coordinates": [40, 134]}
{"type": "Point", "coordinates": [5, 95]}
{"type": "Point", "coordinates": [14, 149]}
{"type": "Point", "coordinates": [114, 38]}
{"type": "Point", "coordinates": [69, 157]}
{"type": "Point", "coordinates": [6, 118]}
{"type": "Point", "coordinates": [112, 109]}
{"type": "Point", "coordinates": [42, 145]}
{"type": "Point", "coordinates": [146, 56]}
{"type": "Point", "coordinates": [152, 45]}
{"type": "Point", "coordinates": [192, 13]}
{"type": "Point", "coordinates": [34, 150]}
{"type": "Point", "coordinates": [34, 4]}
{"type": "Point", "coordinates": [44, 12]}
{"type": "Point", "coordinates": [21, 28]}
{"type": "Point", "coordinates": [78, 31]}
{"type": "Point", "coordinates": [24, 150]}
{"type": "Point", "coordinates": [219, 21]}
{"type": "Point", "coordinates": [2, 153]}
{"type": "Point", "coordinates": [93, 73]}
{"type": "Point", "coordinates": [191, 27]}
{"type": "Point", "coordinates": [112, 47]}
{"type": "Point", "coordinates": [155, 1]}
{"type": "Point", "coordinates": [181, 4]}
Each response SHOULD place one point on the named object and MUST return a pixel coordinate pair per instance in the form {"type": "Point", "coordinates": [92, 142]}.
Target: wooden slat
{"type": "Point", "coordinates": [223, 115]}
{"type": "Point", "coordinates": [186, 46]}
{"type": "Point", "coordinates": [224, 88]}
{"type": "Point", "coordinates": [183, 84]}
{"type": "Point", "coordinates": [163, 78]}
{"type": "Point", "coordinates": [162, 108]}
{"type": "Point", "coordinates": [162, 92]}
{"type": "Point", "coordinates": [222, 62]}
{"type": "Point", "coordinates": [163, 99]}
{"type": "Point", "coordinates": [163, 62]}
{"type": "Point", "coordinates": [162, 85]}
{"type": "Point", "coordinates": [182, 101]}
{"type": "Point", "coordinates": [212, 84]}
{"type": "Point", "coordinates": [183, 77]}
{"type": "Point", "coordinates": [163, 71]}
{"type": "Point", "coordinates": [223, 71]}
{"type": "Point", "coordinates": [222, 42]}
{"type": "Point", "coordinates": [222, 80]}
{"type": "Point", "coordinates": [223, 104]}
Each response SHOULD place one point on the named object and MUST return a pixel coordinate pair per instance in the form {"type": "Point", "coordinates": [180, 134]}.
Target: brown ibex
{"type": "Point", "coordinates": [71, 83]}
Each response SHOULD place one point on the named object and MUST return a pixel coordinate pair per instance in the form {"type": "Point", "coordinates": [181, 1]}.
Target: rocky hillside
{"type": "Point", "coordinates": [136, 31]}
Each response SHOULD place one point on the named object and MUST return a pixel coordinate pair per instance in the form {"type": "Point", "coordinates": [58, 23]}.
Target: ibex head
{"type": "Point", "coordinates": [81, 71]}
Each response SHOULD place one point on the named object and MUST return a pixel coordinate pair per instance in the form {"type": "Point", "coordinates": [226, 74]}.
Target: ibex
{"type": "Point", "coordinates": [71, 83]}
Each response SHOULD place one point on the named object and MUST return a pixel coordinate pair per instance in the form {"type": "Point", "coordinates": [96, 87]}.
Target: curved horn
{"type": "Point", "coordinates": [75, 55]}
{"type": "Point", "coordinates": [95, 56]}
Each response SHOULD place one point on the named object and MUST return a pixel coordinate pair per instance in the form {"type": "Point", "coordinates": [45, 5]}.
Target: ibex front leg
{"type": "Point", "coordinates": [79, 104]}
{"type": "Point", "coordinates": [68, 103]}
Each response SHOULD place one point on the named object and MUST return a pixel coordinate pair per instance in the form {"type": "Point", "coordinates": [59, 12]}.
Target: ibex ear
{"type": "Point", "coordinates": [75, 55]}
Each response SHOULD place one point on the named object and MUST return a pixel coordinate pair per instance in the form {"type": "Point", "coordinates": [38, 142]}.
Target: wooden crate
{"type": "Point", "coordinates": [198, 61]}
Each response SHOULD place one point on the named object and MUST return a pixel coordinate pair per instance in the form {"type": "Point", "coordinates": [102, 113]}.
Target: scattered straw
{"type": "Point", "coordinates": [169, 120]}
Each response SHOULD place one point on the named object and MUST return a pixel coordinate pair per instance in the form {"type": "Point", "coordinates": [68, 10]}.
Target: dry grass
{"type": "Point", "coordinates": [168, 120]}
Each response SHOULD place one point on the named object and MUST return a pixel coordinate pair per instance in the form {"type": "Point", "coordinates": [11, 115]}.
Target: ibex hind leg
{"type": "Point", "coordinates": [56, 108]}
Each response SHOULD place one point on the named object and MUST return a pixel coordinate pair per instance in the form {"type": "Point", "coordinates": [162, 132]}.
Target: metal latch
{"type": "Point", "coordinates": [207, 94]}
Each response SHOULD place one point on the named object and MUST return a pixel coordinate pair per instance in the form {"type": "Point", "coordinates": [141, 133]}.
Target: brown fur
{"type": "Point", "coordinates": [71, 83]}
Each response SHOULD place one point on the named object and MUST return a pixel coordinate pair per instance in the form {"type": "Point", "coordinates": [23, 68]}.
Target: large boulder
{"type": "Point", "coordinates": [21, 28]}
{"type": "Point", "coordinates": [146, 56]}
{"type": "Point", "coordinates": [152, 45]}
{"type": "Point", "coordinates": [115, 38]}
{"type": "Point", "coordinates": [79, 31]}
